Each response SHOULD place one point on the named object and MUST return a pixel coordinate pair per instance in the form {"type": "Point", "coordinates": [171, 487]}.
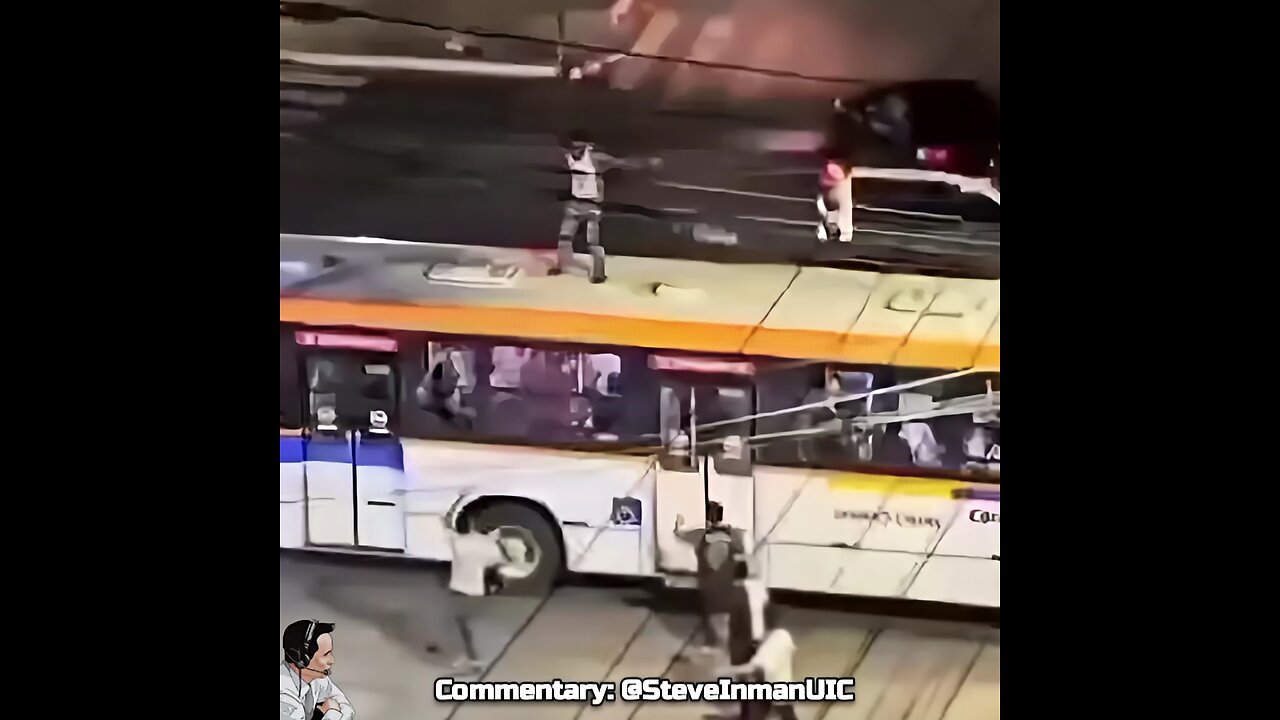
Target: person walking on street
{"type": "Point", "coordinates": [587, 166]}
{"type": "Point", "coordinates": [477, 570]}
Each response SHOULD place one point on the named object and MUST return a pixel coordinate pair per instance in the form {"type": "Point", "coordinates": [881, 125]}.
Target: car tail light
{"type": "Point", "coordinates": [936, 158]}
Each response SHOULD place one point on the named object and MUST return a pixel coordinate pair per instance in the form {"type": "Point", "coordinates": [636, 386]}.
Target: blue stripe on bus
{"type": "Point", "coordinates": [334, 451]}
{"type": "Point", "coordinates": [290, 449]}
{"type": "Point", "coordinates": [380, 453]}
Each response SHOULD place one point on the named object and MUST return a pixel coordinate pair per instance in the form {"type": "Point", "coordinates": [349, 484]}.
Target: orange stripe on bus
{"type": "Point", "coordinates": [794, 343]}
{"type": "Point", "coordinates": [556, 325]}
{"type": "Point", "coordinates": [520, 323]}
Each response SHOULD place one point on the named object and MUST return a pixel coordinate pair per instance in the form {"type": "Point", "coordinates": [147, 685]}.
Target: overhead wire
{"type": "Point", "coordinates": [318, 12]}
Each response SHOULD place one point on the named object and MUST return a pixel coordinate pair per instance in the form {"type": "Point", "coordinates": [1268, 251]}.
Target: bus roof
{"type": "Point", "coordinates": [788, 311]}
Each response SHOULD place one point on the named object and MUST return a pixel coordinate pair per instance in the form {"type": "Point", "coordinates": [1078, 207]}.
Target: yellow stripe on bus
{"type": "Point", "coordinates": [894, 485]}
{"type": "Point", "coordinates": [564, 326]}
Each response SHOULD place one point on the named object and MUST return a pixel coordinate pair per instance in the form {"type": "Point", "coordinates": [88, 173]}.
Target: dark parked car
{"type": "Point", "coordinates": [947, 125]}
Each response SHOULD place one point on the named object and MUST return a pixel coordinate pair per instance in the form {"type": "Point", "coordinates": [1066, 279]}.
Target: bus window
{"type": "Point", "coordinates": [323, 385]}
{"type": "Point", "coordinates": [723, 404]}
{"type": "Point", "coordinates": [810, 436]}
{"type": "Point", "coordinates": [290, 384]}
{"type": "Point", "coordinates": [350, 385]}
{"type": "Point", "coordinates": [676, 421]}
{"type": "Point", "coordinates": [563, 396]}
{"type": "Point", "coordinates": [447, 389]}
{"type": "Point", "coordinates": [533, 398]}
{"type": "Point", "coordinates": [510, 393]}
{"type": "Point", "coordinates": [601, 388]}
{"type": "Point", "coordinates": [950, 424]}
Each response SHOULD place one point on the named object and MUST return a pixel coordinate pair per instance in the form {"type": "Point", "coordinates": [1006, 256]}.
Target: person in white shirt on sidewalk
{"type": "Point", "coordinates": [305, 686]}
{"type": "Point", "coordinates": [479, 564]}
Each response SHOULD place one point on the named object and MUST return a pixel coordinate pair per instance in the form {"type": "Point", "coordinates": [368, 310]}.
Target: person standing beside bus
{"type": "Point", "coordinates": [719, 548]}
{"type": "Point", "coordinates": [476, 571]}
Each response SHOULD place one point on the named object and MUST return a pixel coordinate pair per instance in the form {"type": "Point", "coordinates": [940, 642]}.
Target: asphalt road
{"type": "Point", "coordinates": [434, 158]}
{"type": "Point", "coordinates": [391, 615]}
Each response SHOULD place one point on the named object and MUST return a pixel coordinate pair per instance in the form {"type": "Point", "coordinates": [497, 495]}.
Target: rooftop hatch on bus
{"type": "Point", "coordinates": [487, 275]}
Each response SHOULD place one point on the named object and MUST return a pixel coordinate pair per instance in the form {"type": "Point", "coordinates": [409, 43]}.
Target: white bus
{"type": "Point", "coordinates": [846, 421]}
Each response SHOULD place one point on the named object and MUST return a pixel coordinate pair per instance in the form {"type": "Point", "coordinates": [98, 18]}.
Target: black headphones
{"type": "Point", "coordinates": [301, 656]}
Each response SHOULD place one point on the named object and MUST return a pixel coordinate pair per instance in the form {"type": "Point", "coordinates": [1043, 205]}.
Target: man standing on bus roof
{"type": "Point", "coordinates": [587, 166]}
{"type": "Point", "coordinates": [306, 690]}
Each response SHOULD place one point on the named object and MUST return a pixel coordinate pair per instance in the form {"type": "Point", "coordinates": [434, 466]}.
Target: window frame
{"type": "Point", "coordinates": [416, 353]}
{"type": "Point", "coordinates": [358, 358]}
{"type": "Point", "coordinates": [883, 376]}
{"type": "Point", "coordinates": [293, 385]}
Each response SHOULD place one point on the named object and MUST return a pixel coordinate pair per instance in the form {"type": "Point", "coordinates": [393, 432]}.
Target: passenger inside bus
{"type": "Point", "coordinates": [602, 375]}
{"type": "Point", "coordinates": [322, 382]}
{"type": "Point", "coordinates": [856, 433]}
{"type": "Point", "coordinates": [521, 394]}
{"type": "Point", "coordinates": [982, 450]}
{"type": "Point", "coordinates": [606, 407]}
{"type": "Point", "coordinates": [926, 452]}
{"type": "Point", "coordinates": [445, 390]}
{"type": "Point", "coordinates": [547, 387]}
{"type": "Point", "coordinates": [837, 441]}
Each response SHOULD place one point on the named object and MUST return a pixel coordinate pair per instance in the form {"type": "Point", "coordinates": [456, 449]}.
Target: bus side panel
{"type": "Point", "coordinates": [889, 513]}
{"type": "Point", "coordinates": [887, 536]}
{"type": "Point", "coordinates": [293, 502]}
{"type": "Point", "coordinates": [429, 495]}
{"type": "Point", "coordinates": [960, 580]}
{"type": "Point", "coordinates": [799, 554]}
{"type": "Point", "coordinates": [965, 567]}
{"type": "Point", "coordinates": [582, 491]}
{"type": "Point", "coordinates": [975, 532]}
{"type": "Point", "coordinates": [331, 517]}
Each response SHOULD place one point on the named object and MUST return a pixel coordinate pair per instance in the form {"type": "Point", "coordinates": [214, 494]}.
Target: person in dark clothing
{"type": "Point", "coordinates": [440, 392]}
{"type": "Point", "coordinates": [718, 547]}
{"type": "Point", "coordinates": [747, 620]}
{"type": "Point", "coordinates": [771, 662]}
{"type": "Point", "coordinates": [749, 603]}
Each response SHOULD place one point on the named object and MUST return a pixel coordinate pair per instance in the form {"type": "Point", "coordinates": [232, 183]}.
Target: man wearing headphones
{"type": "Point", "coordinates": [306, 691]}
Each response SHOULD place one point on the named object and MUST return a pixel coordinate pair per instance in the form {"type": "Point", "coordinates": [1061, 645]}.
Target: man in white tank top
{"type": "Point", "coordinates": [476, 571]}
{"type": "Point", "coordinates": [587, 167]}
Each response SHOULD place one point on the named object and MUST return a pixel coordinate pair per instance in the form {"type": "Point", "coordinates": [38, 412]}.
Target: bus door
{"type": "Point", "coordinates": [680, 494]}
{"type": "Point", "coordinates": [727, 454]}
{"type": "Point", "coordinates": [354, 464]}
{"type": "Point", "coordinates": [698, 464]}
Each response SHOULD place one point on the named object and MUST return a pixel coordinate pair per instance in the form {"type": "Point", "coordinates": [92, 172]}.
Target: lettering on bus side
{"type": "Point", "coordinates": [885, 518]}
{"type": "Point", "coordinates": [984, 517]}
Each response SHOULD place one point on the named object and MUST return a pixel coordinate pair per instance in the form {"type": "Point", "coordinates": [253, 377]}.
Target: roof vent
{"type": "Point", "coordinates": [487, 275]}
{"type": "Point", "coordinates": [679, 294]}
